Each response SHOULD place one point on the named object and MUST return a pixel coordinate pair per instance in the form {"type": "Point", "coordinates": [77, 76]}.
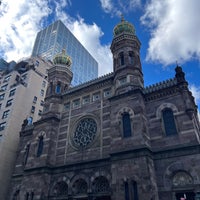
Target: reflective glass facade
{"type": "Point", "coordinates": [57, 36]}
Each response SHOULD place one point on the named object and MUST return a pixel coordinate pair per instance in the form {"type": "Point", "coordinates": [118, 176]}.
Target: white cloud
{"type": "Point", "coordinates": [20, 20]}
{"type": "Point", "coordinates": [24, 19]}
{"type": "Point", "coordinates": [175, 28]}
{"type": "Point", "coordinates": [118, 7]}
{"type": "Point", "coordinates": [90, 35]}
{"type": "Point", "coordinates": [195, 92]}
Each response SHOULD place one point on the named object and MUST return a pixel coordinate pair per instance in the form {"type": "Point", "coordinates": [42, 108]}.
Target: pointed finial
{"type": "Point", "coordinates": [63, 51]}
{"type": "Point", "coordinates": [122, 18]}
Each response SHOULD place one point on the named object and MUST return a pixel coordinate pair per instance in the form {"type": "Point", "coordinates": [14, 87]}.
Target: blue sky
{"type": "Point", "coordinates": [169, 31]}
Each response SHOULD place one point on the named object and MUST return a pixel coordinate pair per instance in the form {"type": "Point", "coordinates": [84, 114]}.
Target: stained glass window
{"type": "Point", "coordinates": [85, 132]}
{"type": "Point", "coordinates": [169, 122]}
{"type": "Point", "coordinates": [126, 125]}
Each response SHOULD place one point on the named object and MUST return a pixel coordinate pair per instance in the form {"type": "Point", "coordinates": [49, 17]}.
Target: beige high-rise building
{"type": "Point", "coordinates": [22, 93]}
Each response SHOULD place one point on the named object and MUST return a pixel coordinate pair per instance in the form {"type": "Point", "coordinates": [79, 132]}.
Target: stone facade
{"type": "Point", "coordinates": [111, 138]}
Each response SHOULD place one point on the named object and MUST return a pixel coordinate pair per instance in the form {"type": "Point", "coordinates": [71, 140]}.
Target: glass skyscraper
{"type": "Point", "coordinates": [56, 37]}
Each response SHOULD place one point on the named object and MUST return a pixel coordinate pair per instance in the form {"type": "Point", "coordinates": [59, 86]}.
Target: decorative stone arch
{"type": "Point", "coordinates": [182, 178]}
{"type": "Point", "coordinates": [100, 173]}
{"type": "Point", "coordinates": [125, 110]}
{"type": "Point", "coordinates": [41, 133]}
{"type": "Point", "coordinates": [125, 115]}
{"type": "Point", "coordinates": [163, 106]}
{"type": "Point", "coordinates": [173, 169]}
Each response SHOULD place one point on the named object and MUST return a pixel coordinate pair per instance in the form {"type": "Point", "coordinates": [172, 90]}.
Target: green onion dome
{"type": "Point", "coordinates": [123, 27]}
{"type": "Point", "coordinates": [62, 59]}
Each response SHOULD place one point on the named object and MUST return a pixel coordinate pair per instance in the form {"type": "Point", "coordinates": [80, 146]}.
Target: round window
{"type": "Point", "coordinates": [85, 132]}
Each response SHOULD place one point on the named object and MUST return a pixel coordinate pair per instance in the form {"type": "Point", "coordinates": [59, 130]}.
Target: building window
{"type": "Point", "coordinates": [27, 196]}
{"type": "Point", "coordinates": [76, 103]}
{"type": "Point", "coordinates": [12, 92]}
{"type": "Point", "coordinates": [121, 58]}
{"type": "Point", "coordinates": [135, 190]}
{"type": "Point", "coordinates": [122, 81]}
{"type": "Point", "coordinates": [67, 106]}
{"type": "Point", "coordinates": [40, 146]}
{"type": "Point", "coordinates": [43, 83]}
{"type": "Point", "coordinates": [40, 112]}
{"type": "Point", "coordinates": [86, 99]}
{"type": "Point", "coordinates": [42, 92]}
{"type": "Point", "coordinates": [58, 88]}
{"type": "Point", "coordinates": [107, 93]}
{"type": "Point", "coordinates": [126, 123]}
{"type": "Point", "coordinates": [26, 153]}
{"type": "Point", "coordinates": [24, 76]}
{"type": "Point", "coordinates": [32, 109]}
{"type": "Point", "coordinates": [131, 57]}
{"type": "Point", "coordinates": [42, 103]}
{"type": "Point", "coordinates": [7, 78]}
{"type": "Point", "coordinates": [169, 122]}
{"type": "Point", "coordinates": [4, 87]}
{"type": "Point", "coordinates": [60, 189]}
{"type": "Point", "coordinates": [2, 126]}
{"type": "Point", "coordinates": [9, 102]}
{"type": "Point", "coordinates": [5, 114]}
{"type": "Point", "coordinates": [34, 99]}
{"type": "Point", "coordinates": [2, 96]}
{"type": "Point", "coordinates": [96, 96]}
{"type": "Point", "coordinates": [37, 63]}
{"type": "Point", "coordinates": [126, 191]}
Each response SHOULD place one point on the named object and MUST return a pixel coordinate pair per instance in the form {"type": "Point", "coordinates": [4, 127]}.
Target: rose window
{"type": "Point", "coordinates": [85, 132]}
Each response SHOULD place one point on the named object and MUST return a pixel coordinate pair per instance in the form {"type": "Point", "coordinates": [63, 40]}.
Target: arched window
{"type": "Point", "coordinates": [126, 122]}
{"type": "Point", "coordinates": [60, 189]}
{"type": "Point", "coordinates": [169, 122]}
{"type": "Point", "coordinates": [40, 146]}
{"type": "Point", "coordinates": [121, 58]}
{"type": "Point", "coordinates": [131, 57]}
{"type": "Point", "coordinates": [126, 191]}
{"type": "Point", "coordinates": [58, 88]}
{"type": "Point", "coordinates": [80, 187]}
{"type": "Point", "coordinates": [26, 153]}
{"type": "Point", "coordinates": [101, 185]}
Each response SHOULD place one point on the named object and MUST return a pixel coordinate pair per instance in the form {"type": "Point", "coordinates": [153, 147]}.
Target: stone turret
{"type": "Point", "coordinates": [59, 80]}
{"type": "Point", "coordinates": [127, 67]}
